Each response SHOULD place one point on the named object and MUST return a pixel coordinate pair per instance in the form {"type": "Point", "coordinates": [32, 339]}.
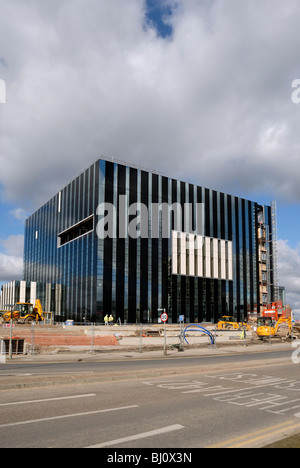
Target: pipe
{"type": "Point", "coordinates": [212, 340]}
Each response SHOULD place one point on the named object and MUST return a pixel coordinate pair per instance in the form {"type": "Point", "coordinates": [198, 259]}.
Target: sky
{"type": "Point", "coordinates": [200, 90]}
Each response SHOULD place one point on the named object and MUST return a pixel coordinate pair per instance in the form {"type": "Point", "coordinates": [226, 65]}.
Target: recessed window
{"type": "Point", "coordinates": [201, 257]}
{"type": "Point", "coordinates": [76, 231]}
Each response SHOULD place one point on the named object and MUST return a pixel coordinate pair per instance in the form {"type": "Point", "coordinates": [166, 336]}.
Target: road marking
{"type": "Point", "coordinates": [256, 439]}
{"type": "Point", "coordinates": [37, 374]}
{"type": "Point", "coordinates": [48, 399]}
{"type": "Point", "coordinates": [67, 416]}
{"type": "Point", "coordinates": [254, 387]}
{"type": "Point", "coordinates": [247, 439]}
{"type": "Point", "coordinates": [144, 435]}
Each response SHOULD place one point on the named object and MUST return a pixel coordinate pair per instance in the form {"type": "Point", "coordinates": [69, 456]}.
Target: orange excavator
{"type": "Point", "coordinates": [273, 322]}
{"type": "Point", "coordinates": [268, 327]}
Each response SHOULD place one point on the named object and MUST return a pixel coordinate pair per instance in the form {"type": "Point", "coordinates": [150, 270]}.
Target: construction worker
{"type": "Point", "coordinates": [106, 319]}
{"type": "Point", "coordinates": [111, 319]}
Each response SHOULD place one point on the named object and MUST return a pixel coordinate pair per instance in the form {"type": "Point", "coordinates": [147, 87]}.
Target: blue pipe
{"type": "Point", "coordinates": [199, 328]}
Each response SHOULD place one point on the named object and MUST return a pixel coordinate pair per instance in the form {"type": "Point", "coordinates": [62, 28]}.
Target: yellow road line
{"type": "Point", "coordinates": [256, 436]}
{"type": "Point", "coordinates": [256, 439]}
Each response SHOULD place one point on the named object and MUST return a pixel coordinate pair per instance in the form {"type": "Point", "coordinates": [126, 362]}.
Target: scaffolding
{"type": "Point", "coordinates": [263, 260]}
{"type": "Point", "coordinates": [275, 251]}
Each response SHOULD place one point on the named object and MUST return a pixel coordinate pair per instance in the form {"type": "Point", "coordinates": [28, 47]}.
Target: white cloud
{"type": "Point", "coordinates": [211, 105]}
{"type": "Point", "coordinates": [13, 245]}
{"type": "Point", "coordinates": [19, 214]}
{"type": "Point", "coordinates": [11, 258]}
{"type": "Point", "coordinates": [289, 273]}
{"type": "Point", "coordinates": [11, 268]}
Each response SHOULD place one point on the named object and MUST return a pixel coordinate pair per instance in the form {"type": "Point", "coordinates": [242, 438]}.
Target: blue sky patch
{"type": "Point", "coordinates": [157, 15]}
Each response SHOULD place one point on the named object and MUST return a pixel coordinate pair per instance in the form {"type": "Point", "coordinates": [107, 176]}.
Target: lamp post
{"type": "Point", "coordinates": [11, 329]}
{"type": "Point", "coordinates": [164, 318]}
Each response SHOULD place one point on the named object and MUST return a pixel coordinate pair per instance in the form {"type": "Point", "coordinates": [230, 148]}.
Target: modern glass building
{"type": "Point", "coordinates": [126, 241]}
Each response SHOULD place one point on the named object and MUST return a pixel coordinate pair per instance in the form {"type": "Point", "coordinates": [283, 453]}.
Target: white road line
{"type": "Point", "coordinates": [48, 399]}
{"type": "Point", "coordinates": [144, 435]}
{"type": "Point", "coordinates": [223, 392]}
{"type": "Point", "coordinates": [38, 374]}
{"type": "Point", "coordinates": [66, 416]}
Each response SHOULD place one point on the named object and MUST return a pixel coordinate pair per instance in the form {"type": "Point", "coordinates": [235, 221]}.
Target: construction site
{"type": "Point", "coordinates": [39, 337]}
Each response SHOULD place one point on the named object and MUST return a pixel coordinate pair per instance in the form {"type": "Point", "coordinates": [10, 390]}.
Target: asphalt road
{"type": "Point", "coordinates": [223, 401]}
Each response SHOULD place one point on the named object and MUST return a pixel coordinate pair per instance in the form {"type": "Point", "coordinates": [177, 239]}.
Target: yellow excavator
{"type": "Point", "coordinates": [24, 312]}
{"type": "Point", "coordinates": [229, 323]}
{"type": "Point", "coordinates": [268, 327]}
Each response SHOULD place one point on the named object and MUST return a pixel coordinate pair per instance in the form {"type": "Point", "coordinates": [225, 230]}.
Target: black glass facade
{"type": "Point", "coordinates": [131, 277]}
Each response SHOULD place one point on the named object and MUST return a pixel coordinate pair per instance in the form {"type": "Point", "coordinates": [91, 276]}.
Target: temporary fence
{"type": "Point", "coordinates": [35, 338]}
{"type": "Point", "coordinates": [40, 338]}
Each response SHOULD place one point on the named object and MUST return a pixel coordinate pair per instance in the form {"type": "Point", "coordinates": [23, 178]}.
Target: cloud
{"type": "Point", "coordinates": [11, 268]}
{"type": "Point", "coordinates": [289, 273]}
{"type": "Point", "coordinates": [13, 245]}
{"type": "Point", "coordinates": [11, 258]}
{"type": "Point", "coordinates": [210, 104]}
{"type": "Point", "coordinates": [19, 214]}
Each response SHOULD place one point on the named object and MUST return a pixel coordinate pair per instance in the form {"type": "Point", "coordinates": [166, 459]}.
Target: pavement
{"type": "Point", "coordinates": [150, 352]}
